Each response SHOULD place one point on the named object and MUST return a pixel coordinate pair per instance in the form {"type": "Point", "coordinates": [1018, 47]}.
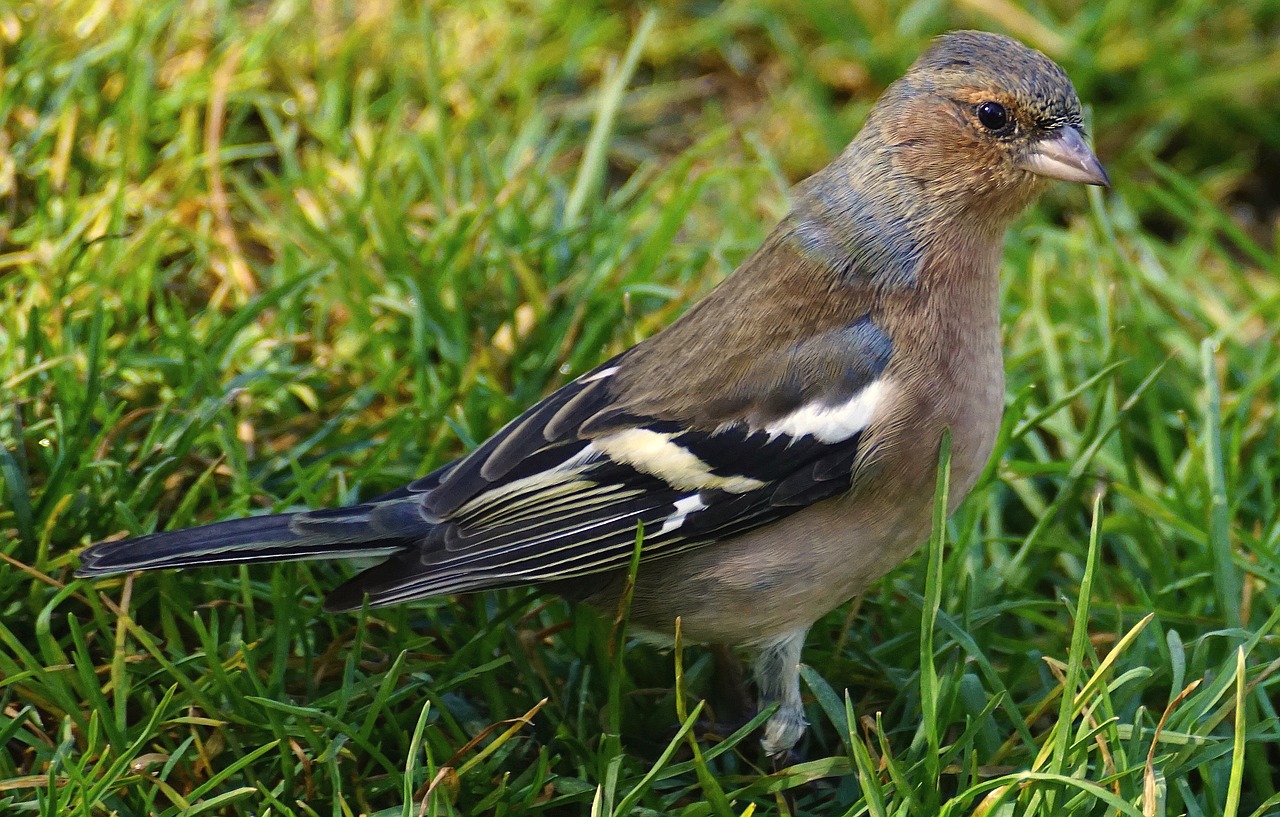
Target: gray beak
{"type": "Point", "coordinates": [1064, 155]}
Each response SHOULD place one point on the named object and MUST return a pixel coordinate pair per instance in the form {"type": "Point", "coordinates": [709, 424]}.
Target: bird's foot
{"type": "Point", "coordinates": [783, 731]}
{"type": "Point", "coordinates": [786, 759]}
{"type": "Point", "coordinates": [719, 729]}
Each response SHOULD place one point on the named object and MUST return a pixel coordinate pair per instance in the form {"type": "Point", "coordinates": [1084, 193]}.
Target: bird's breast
{"type": "Point", "coordinates": [947, 375]}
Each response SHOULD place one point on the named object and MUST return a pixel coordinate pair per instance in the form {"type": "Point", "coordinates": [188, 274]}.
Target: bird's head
{"type": "Point", "coordinates": [980, 121]}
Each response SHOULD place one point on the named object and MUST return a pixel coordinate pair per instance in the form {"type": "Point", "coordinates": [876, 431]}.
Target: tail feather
{"type": "Point", "coordinates": [342, 533]}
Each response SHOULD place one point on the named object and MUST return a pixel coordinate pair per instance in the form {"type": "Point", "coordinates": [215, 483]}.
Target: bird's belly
{"type": "Point", "coordinates": [776, 579]}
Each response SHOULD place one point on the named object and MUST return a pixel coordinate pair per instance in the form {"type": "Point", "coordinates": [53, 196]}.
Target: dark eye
{"type": "Point", "coordinates": [992, 115]}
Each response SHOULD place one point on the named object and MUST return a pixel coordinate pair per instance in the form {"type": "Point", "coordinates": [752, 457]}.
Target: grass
{"type": "Point", "coordinates": [269, 255]}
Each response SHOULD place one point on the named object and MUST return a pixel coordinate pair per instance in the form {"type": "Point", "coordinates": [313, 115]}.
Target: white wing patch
{"type": "Point", "coordinates": [684, 507]}
{"type": "Point", "coordinates": [600, 375]}
{"type": "Point", "coordinates": [658, 454]}
{"type": "Point", "coordinates": [563, 480]}
{"type": "Point", "coordinates": [832, 424]}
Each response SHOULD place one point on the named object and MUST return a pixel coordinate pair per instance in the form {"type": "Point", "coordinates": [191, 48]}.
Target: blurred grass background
{"type": "Point", "coordinates": [259, 255]}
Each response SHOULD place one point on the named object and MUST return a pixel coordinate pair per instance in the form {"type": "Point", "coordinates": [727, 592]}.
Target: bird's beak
{"type": "Point", "coordinates": [1064, 155]}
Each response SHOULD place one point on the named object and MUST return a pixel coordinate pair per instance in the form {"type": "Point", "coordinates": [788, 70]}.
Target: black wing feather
{"type": "Point", "coordinates": [547, 498]}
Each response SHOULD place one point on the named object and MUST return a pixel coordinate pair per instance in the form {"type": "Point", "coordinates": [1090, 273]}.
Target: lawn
{"type": "Point", "coordinates": [261, 255]}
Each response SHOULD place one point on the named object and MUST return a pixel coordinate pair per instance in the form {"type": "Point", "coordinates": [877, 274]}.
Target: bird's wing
{"type": "Point", "coordinates": [562, 491]}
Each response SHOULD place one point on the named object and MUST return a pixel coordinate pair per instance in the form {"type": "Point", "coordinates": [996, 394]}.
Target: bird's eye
{"type": "Point", "coordinates": [992, 115]}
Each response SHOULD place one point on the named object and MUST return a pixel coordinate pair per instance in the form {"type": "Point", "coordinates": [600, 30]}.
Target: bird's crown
{"type": "Point", "coordinates": [979, 61]}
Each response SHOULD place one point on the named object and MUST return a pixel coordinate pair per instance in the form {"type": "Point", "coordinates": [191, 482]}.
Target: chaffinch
{"type": "Point", "coordinates": [778, 444]}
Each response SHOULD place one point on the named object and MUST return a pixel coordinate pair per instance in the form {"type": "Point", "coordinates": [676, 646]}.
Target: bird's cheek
{"type": "Point", "coordinates": [954, 165]}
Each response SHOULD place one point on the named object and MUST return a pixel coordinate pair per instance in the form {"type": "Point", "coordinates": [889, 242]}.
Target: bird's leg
{"type": "Point", "coordinates": [777, 672]}
{"type": "Point", "coordinates": [731, 706]}
{"type": "Point", "coordinates": [731, 686]}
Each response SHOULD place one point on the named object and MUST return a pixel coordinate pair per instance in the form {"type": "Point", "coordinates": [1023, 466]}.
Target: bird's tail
{"type": "Point", "coordinates": [369, 530]}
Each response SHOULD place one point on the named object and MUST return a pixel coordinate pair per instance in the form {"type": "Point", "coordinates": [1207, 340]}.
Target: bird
{"type": "Point", "coordinates": [776, 447]}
